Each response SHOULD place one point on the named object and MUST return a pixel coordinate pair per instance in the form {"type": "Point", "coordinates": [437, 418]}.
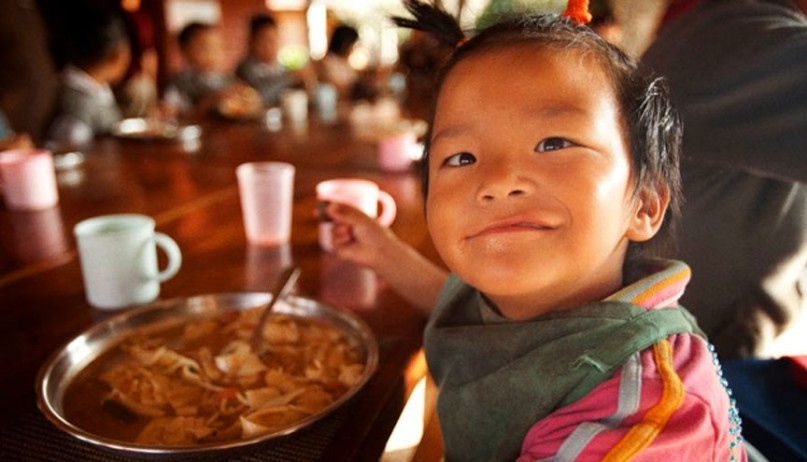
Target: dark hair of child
{"type": "Point", "coordinates": [259, 22]}
{"type": "Point", "coordinates": [342, 38]}
{"type": "Point", "coordinates": [93, 35]}
{"type": "Point", "coordinates": [190, 31]}
{"type": "Point", "coordinates": [651, 125]}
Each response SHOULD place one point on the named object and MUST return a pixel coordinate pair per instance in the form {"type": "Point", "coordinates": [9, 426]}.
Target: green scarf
{"type": "Point", "coordinates": [497, 380]}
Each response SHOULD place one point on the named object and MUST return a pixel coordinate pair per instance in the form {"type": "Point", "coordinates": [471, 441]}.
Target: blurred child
{"type": "Point", "coordinates": [138, 95]}
{"type": "Point", "coordinates": [550, 172]}
{"type": "Point", "coordinates": [260, 67]}
{"type": "Point", "coordinates": [334, 68]}
{"type": "Point", "coordinates": [98, 54]}
{"type": "Point", "coordinates": [202, 86]}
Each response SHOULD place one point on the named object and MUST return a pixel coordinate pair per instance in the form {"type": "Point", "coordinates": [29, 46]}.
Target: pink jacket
{"type": "Point", "coordinates": [667, 403]}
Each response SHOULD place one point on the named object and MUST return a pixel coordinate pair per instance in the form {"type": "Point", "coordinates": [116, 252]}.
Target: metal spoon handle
{"type": "Point", "coordinates": [281, 290]}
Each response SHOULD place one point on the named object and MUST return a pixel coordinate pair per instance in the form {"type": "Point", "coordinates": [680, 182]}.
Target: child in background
{"type": "Point", "coordinates": [98, 54]}
{"type": "Point", "coordinates": [203, 87]}
{"type": "Point", "coordinates": [260, 67]}
{"type": "Point", "coordinates": [550, 173]}
{"type": "Point", "coordinates": [138, 95]}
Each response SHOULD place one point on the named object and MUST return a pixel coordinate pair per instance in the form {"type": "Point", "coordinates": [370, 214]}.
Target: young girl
{"type": "Point", "coordinates": [550, 163]}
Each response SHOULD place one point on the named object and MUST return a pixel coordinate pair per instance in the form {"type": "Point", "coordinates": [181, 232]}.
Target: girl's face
{"type": "Point", "coordinates": [530, 195]}
{"type": "Point", "coordinates": [206, 51]}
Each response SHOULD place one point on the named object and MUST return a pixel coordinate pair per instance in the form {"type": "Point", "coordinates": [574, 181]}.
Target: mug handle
{"type": "Point", "coordinates": [388, 209]}
{"type": "Point", "coordinates": [171, 249]}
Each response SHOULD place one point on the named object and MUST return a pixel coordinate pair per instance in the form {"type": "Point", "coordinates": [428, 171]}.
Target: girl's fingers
{"type": "Point", "coordinates": [342, 234]}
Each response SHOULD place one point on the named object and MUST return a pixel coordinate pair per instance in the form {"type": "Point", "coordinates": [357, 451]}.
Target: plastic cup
{"type": "Point", "coordinates": [267, 195]}
{"type": "Point", "coordinates": [28, 179]}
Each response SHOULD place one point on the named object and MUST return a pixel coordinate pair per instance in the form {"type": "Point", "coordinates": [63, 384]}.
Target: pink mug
{"type": "Point", "coordinates": [358, 193]}
{"type": "Point", "coordinates": [28, 179]}
{"type": "Point", "coordinates": [395, 151]}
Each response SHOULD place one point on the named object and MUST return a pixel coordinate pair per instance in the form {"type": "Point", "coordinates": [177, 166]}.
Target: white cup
{"type": "Point", "coordinates": [28, 179]}
{"type": "Point", "coordinates": [267, 197]}
{"type": "Point", "coordinates": [327, 101]}
{"type": "Point", "coordinates": [118, 256]}
{"type": "Point", "coordinates": [294, 104]}
{"type": "Point", "coordinates": [357, 193]}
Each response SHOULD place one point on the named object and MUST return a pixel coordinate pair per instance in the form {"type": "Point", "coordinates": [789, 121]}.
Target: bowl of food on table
{"type": "Point", "coordinates": [180, 376]}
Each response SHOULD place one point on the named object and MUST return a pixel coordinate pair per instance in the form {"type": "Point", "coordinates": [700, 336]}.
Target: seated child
{"type": "Point", "coordinates": [550, 169]}
{"type": "Point", "coordinates": [98, 55]}
{"type": "Point", "coordinates": [260, 67]}
{"type": "Point", "coordinates": [203, 87]}
{"type": "Point", "coordinates": [334, 68]}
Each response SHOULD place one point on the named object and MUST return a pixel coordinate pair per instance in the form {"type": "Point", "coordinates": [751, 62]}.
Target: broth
{"type": "Point", "coordinates": [200, 382]}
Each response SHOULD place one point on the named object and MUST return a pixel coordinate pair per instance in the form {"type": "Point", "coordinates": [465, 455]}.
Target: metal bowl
{"type": "Point", "coordinates": [65, 364]}
{"type": "Point", "coordinates": [155, 129]}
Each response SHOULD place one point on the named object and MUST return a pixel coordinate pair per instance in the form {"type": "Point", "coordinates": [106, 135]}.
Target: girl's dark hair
{"type": "Point", "coordinates": [342, 38]}
{"type": "Point", "coordinates": [650, 124]}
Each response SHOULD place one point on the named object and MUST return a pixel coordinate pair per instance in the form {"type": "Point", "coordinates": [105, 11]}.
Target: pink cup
{"type": "Point", "coordinates": [357, 193]}
{"type": "Point", "coordinates": [267, 195]}
{"type": "Point", "coordinates": [28, 179]}
{"type": "Point", "coordinates": [395, 151]}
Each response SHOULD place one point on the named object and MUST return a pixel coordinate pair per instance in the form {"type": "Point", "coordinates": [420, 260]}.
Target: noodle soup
{"type": "Point", "coordinates": [199, 382]}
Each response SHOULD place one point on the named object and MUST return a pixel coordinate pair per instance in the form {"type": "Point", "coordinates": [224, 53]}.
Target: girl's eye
{"type": "Point", "coordinates": [552, 144]}
{"type": "Point", "coordinates": [458, 160]}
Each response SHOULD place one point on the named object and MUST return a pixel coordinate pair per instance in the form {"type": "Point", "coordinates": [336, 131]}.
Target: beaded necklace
{"type": "Point", "coordinates": [735, 422]}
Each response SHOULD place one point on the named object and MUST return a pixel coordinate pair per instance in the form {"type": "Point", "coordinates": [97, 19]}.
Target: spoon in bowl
{"type": "Point", "coordinates": [281, 290]}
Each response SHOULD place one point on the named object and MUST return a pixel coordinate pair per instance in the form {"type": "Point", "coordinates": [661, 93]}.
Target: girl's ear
{"type": "Point", "coordinates": [649, 214]}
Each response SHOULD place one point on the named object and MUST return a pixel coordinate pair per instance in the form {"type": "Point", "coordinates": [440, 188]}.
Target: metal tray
{"type": "Point", "coordinates": [154, 129]}
{"type": "Point", "coordinates": [57, 373]}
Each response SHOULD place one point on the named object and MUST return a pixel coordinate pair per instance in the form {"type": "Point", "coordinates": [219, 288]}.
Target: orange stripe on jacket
{"type": "Point", "coordinates": [672, 396]}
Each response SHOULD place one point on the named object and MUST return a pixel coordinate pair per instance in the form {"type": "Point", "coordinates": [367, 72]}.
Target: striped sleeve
{"type": "Point", "coordinates": [663, 405]}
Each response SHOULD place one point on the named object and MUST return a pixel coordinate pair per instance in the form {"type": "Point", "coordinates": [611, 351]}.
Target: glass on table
{"type": "Point", "coordinates": [267, 194]}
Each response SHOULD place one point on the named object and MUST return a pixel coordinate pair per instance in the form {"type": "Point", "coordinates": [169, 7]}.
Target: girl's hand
{"type": "Point", "coordinates": [361, 240]}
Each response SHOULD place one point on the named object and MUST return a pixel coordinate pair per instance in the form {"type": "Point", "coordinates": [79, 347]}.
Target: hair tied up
{"type": "Point", "coordinates": [577, 11]}
{"type": "Point", "coordinates": [434, 20]}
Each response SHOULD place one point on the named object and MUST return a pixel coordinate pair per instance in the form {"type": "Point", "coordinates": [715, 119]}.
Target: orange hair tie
{"type": "Point", "coordinates": [461, 42]}
{"type": "Point", "coordinates": [577, 11]}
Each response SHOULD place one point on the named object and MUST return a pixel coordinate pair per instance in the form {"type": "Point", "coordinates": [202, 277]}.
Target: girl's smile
{"type": "Point", "coordinates": [511, 225]}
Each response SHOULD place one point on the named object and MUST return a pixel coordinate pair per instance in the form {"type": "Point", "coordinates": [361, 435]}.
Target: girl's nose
{"type": "Point", "coordinates": [503, 181]}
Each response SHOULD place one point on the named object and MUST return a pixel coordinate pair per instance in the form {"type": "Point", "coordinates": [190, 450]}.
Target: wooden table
{"type": "Point", "coordinates": [191, 192]}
